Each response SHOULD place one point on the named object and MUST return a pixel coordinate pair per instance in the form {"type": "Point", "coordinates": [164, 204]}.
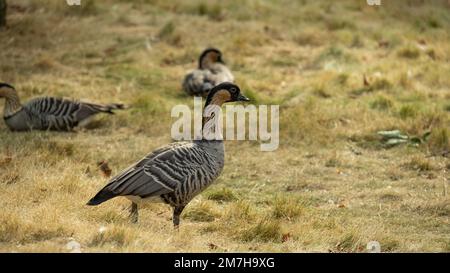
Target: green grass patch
{"type": "Point", "coordinates": [266, 230]}
{"type": "Point", "coordinates": [116, 235]}
{"type": "Point", "coordinates": [221, 195]}
{"type": "Point", "coordinates": [408, 111]}
{"type": "Point", "coordinates": [201, 212]}
{"type": "Point", "coordinates": [286, 208]}
{"type": "Point", "coordinates": [409, 52]}
{"type": "Point", "coordinates": [382, 103]}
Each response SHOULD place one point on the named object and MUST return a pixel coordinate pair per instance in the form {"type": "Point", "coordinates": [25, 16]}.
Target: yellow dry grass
{"type": "Point", "coordinates": [331, 186]}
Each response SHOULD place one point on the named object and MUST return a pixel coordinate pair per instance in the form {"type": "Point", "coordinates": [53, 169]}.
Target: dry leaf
{"type": "Point", "coordinates": [110, 51]}
{"type": "Point", "coordinates": [365, 81]}
{"type": "Point", "coordinates": [10, 178]}
{"type": "Point", "coordinates": [422, 42]}
{"type": "Point", "coordinates": [88, 172]}
{"type": "Point", "coordinates": [5, 160]}
{"type": "Point", "coordinates": [383, 43]}
{"type": "Point", "coordinates": [286, 237]}
{"type": "Point", "coordinates": [104, 168]}
{"type": "Point", "coordinates": [289, 188]}
{"type": "Point", "coordinates": [212, 246]}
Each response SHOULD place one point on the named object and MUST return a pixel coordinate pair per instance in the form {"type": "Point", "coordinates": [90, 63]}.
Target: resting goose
{"type": "Point", "coordinates": [48, 113]}
{"type": "Point", "coordinates": [211, 71]}
{"type": "Point", "coordinates": [176, 173]}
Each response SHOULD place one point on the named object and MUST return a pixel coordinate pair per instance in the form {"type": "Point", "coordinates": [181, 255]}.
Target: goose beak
{"type": "Point", "coordinates": [242, 98]}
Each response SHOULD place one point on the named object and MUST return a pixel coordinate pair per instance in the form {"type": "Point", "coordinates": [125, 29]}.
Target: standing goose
{"type": "Point", "coordinates": [176, 173]}
{"type": "Point", "coordinates": [48, 113]}
{"type": "Point", "coordinates": [211, 71]}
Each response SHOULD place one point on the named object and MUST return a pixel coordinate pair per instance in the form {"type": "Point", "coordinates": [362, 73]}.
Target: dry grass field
{"type": "Point", "coordinates": [341, 71]}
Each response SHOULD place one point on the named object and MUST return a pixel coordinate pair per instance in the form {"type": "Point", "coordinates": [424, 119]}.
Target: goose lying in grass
{"type": "Point", "coordinates": [48, 113]}
{"type": "Point", "coordinates": [211, 71]}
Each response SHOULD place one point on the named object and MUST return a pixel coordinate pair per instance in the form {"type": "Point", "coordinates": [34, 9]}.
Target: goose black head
{"type": "Point", "coordinates": [5, 89]}
{"type": "Point", "coordinates": [225, 92]}
{"type": "Point", "coordinates": [209, 56]}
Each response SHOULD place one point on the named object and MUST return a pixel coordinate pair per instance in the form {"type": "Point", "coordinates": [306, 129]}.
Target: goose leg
{"type": "Point", "coordinates": [134, 212]}
{"type": "Point", "coordinates": [176, 216]}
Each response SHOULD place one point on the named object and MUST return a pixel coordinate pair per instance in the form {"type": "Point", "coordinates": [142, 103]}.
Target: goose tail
{"type": "Point", "coordinates": [109, 108]}
{"type": "Point", "coordinates": [100, 197]}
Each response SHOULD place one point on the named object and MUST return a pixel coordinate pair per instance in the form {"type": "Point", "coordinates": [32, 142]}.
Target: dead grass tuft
{"type": "Point", "coordinates": [201, 212]}
{"type": "Point", "coordinates": [221, 195]}
{"type": "Point", "coordinates": [439, 140]}
{"type": "Point", "coordinates": [409, 52]}
{"type": "Point", "coordinates": [420, 164]}
{"type": "Point", "coordinates": [440, 208]}
{"type": "Point", "coordinates": [266, 230]}
{"type": "Point", "coordinates": [116, 235]}
{"type": "Point", "coordinates": [382, 103]}
{"type": "Point", "coordinates": [350, 242]}
{"type": "Point", "coordinates": [286, 208]}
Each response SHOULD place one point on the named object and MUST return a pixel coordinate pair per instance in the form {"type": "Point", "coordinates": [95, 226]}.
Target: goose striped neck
{"type": "Point", "coordinates": [220, 94]}
{"type": "Point", "coordinates": [213, 103]}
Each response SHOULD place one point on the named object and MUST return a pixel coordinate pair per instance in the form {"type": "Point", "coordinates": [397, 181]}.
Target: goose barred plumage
{"type": "Point", "coordinates": [211, 71]}
{"type": "Point", "coordinates": [48, 113]}
{"type": "Point", "coordinates": [176, 173]}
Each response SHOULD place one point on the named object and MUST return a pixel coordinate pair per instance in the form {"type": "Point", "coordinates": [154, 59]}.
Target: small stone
{"type": "Point", "coordinates": [373, 247]}
{"type": "Point", "coordinates": [73, 246]}
{"type": "Point", "coordinates": [102, 229]}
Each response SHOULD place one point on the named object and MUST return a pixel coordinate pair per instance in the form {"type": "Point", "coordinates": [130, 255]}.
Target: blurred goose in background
{"type": "Point", "coordinates": [211, 71]}
{"type": "Point", "coordinates": [176, 173]}
{"type": "Point", "coordinates": [48, 113]}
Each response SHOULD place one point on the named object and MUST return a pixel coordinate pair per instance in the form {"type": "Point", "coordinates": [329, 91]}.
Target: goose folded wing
{"type": "Point", "coordinates": [159, 173]}
{"type": "Point", "coordinates": [198, 81]}
{"type": "Point", "coordinates": [55, 107]}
